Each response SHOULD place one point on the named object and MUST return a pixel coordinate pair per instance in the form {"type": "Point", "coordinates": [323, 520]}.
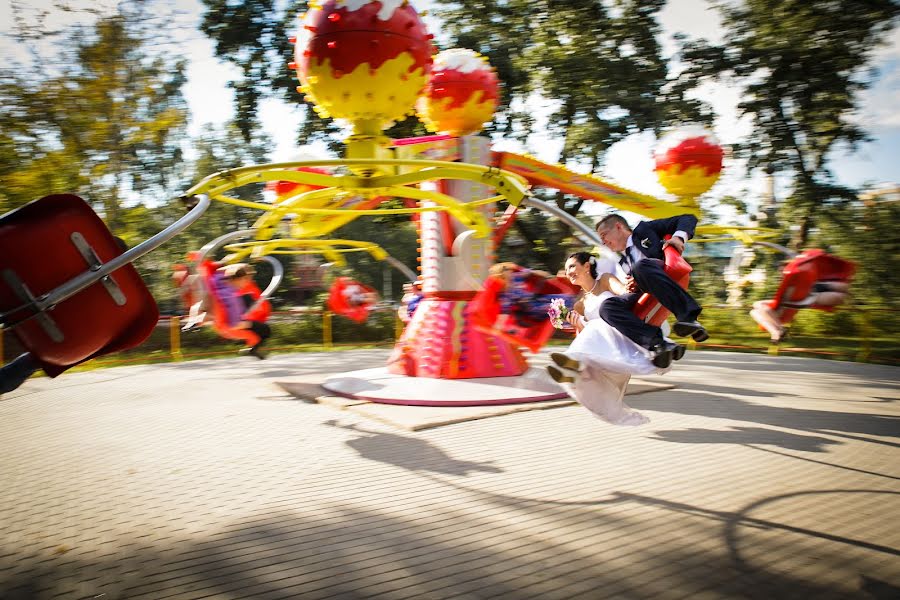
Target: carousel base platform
{"type": "Point", "coordinates": [377, 385]}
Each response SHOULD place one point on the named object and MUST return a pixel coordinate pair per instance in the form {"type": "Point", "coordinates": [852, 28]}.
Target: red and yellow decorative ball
{"type": "Point", "coordinates": [688, 161]}
{"type": "Point", "coordinates": [462, 93]}
{"type": "Point", "coordinates": [363, 60]}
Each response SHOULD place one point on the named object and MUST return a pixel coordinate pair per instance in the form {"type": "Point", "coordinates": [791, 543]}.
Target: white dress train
{"type": "Point", "coordinates": [608, 360]}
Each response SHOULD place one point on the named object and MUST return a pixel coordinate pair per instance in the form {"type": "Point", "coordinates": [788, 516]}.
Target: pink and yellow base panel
{"type": "Point", "coordinates": [361, 60]}
{"type": "Point", "coordinates": [442, 341]}
{"type": "Point", "coordinates": [688, 161]}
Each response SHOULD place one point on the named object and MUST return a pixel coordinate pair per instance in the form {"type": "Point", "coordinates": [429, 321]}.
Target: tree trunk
{"type": "Point", "coordinates": [801, 236]}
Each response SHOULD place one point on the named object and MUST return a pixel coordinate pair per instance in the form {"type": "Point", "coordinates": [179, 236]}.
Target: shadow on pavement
{"type": "Point", "coordinates": [747, 436]}
{"type": "Point", "coordinates": [409, 453]}
{"type": "Point", "coordinates": [870, 375]}
{"type": "Point", "coordinates": [699, 400]}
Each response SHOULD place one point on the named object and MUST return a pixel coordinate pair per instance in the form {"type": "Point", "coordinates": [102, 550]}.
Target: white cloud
{"type": "Point", "coordinates": [879, 106]}
{"type": "Point", "coordinates": [891, 48]}
{"type": "Point", "coordinates": [693, 17]}
{"type": "Point", "coordinates": [208, 96]}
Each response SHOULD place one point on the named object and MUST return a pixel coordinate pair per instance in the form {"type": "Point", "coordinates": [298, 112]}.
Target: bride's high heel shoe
{"type": "Point", "coordinates": [565, 362]}
{"type": "Point", "coordinates": [561, 376]}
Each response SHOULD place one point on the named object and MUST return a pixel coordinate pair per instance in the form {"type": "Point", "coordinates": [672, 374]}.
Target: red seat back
{"type": "Point", "coordinates": [484, 311]}
{"type": "Point", "coordinates": [38, 250]}
{"type": "Point", "coordinates": [648, 308]}
{"type": "Point", "coordinates": [339, 303]}
{"type": "Point", "coordinates": [801, 273]}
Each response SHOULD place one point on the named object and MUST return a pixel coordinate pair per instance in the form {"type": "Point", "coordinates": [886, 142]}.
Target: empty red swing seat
{"type": "Point", "coordinates": [46, 244]}
{"type": "Point", "coordinates": [351, 299]}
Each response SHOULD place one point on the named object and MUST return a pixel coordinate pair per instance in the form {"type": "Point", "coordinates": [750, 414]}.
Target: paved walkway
{"type": "Point", "coordinates": [758, 477]}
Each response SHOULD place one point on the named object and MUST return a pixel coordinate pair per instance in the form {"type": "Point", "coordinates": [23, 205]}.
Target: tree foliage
{"type": "Point", "coordinates": [600, 68]}
{"type": "Point", "coordinates": [866, 233]}
{"type": "Point", "coordinates": [107, 122]}
{"type": "Point", "coordinates": [801, 65]}
{"type": "Point", "coordinates": [252, 35]}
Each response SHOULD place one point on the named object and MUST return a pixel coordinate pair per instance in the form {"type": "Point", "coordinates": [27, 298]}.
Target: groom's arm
{"type": "Point", "coordinates": [680, 228]}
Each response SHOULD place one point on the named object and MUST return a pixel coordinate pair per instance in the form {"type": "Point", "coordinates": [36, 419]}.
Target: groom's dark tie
{"type": "Point", "coordinates": [625, 261]}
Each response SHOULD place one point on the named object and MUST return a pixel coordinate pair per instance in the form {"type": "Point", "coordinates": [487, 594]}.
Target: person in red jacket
{"type": "Point", "coordinates": [256, 309]}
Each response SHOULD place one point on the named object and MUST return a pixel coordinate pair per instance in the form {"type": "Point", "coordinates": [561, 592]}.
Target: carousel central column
{"type": "Point", "coordinates": [367, 63]}
{"type": "Point", "coordinates": [444, 338]}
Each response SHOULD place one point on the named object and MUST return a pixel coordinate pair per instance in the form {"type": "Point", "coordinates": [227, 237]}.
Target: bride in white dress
{"type": "Point", "coordinates": [600, 360]}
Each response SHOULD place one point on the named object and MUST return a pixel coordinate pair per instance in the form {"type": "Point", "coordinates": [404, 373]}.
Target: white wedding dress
{"type": "Point", "coordinates": [608, 360]}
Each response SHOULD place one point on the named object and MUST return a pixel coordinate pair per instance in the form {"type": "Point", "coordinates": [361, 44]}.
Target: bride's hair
{"type": "Point", "coordinates": [586, 257]}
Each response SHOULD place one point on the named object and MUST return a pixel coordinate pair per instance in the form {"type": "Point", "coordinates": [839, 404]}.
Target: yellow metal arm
{"type": "Point", "coordinates": [747, 235]}
{"type": "Point", "coordinates": [289, 246]}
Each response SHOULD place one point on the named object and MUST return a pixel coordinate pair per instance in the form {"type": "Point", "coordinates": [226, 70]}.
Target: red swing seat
{"type": "Point", "coordinates": [339, 303]}
{"type": "Point", "coordinates": [534, 337]}
{"type": "Point", "coordinates": [648, 308]}
{"type": "Point", "coordinates": [485, 311]}
{"type": "Point", "coordinates": [801, 273]}
{"type": "Point", "coordinates": [47, 243]}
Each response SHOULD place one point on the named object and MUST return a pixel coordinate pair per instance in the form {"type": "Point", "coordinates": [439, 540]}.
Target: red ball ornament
{"type": "Point", "coordinates": [688, 161]}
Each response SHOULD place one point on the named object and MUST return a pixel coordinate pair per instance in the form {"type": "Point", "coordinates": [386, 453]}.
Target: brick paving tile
{"type": "Point", "coordinates": [757, 477]}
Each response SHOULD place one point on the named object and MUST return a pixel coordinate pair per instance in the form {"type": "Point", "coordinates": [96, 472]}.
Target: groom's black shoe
{"type": "Point", "coordinates": [678, 352]}
{"type": "Point", "coordinates": [565, 362]}
{"type": "Point", "coordinates": [256, 351]}
{"type": "Point", "coordinates": [691, 328]}
{"type": "Point", "coordinates": [663, 353]}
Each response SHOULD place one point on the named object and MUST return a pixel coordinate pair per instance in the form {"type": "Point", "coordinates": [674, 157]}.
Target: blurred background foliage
{"type": "Point", "coordinates": [102, 114]}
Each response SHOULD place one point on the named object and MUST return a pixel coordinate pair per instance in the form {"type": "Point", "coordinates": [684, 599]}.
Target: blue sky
{"type": "Point", "coordinates": [628, 163]}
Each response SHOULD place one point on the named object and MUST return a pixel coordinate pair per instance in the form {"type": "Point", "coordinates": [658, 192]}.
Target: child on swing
{"type": "Point", "coordinates": [255, 309]}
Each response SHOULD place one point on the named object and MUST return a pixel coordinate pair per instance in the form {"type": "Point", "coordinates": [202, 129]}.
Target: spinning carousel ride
{"type": "Point", "coordinates": [368, 64]}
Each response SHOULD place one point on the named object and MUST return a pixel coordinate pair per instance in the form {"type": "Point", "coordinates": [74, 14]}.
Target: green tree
{"type": "Point", "coordinates": [601, 68]}
{"type": "Point", "coordinates": [801, 65]}
{"type": "Point", "coordinates": [106, 122]}
{"type": "Point", "coordinates": [866, 233]}
{"type": "Point", "coordinates": [252, 35]}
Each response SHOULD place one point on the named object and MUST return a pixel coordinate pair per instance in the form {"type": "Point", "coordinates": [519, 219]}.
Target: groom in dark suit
{"type": "Point", "coordinates": [643, 261]}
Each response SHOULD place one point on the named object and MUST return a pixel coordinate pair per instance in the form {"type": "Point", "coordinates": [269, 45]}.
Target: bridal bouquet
{"type": "Point", "coordinates": [557, 313]}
